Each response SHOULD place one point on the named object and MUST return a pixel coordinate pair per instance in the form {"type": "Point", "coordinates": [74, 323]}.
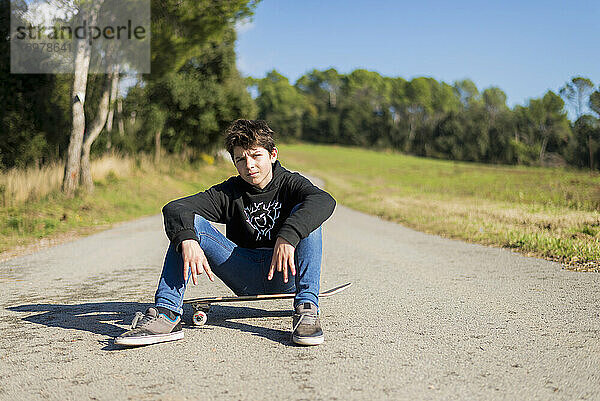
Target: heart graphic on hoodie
{"type": "Point", "coordinates": [262, 216]}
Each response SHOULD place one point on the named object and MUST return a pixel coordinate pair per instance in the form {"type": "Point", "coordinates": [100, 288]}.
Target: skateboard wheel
{"type": "Point", "coordinates": [199, 318]}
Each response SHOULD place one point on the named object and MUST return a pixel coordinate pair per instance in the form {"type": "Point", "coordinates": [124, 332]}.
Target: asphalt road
{"type": "Point", "coordinates": [427, 318]}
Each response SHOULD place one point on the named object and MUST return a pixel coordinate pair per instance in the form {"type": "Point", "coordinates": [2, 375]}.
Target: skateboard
{"type": "Point", "coordinates": [201, 306]}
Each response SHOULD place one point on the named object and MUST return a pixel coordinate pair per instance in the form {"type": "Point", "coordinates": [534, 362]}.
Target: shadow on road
{"type": "Point", "coordinates": [225, 316]}
{"type": "Point", "coordinates": [96, 317]}
{"type": "Point", "coordinates": [104, 318]}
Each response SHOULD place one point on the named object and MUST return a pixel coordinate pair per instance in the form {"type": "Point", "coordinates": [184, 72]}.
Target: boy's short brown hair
{"type": "Point", "coordinates": [249, 134]}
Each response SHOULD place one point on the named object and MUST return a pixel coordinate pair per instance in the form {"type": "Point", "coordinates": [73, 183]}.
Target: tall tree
{"type": "Point", "coordinates": [365, 108]}
{"type": "Point", "coordinates": [467, 92]}
{"type": "Point", "coordinates": [94, 130]}
{"type": "Point", "coordinates": [181, 29]}
{"type": "Point", "coordinates": [590, 127]}
{"type": "Point", "coordinates": [397, 104]}
{"type": "Point", "coordinates": [281, 104]}
{"type": "Point", "coordinates": [595, 102]}
{"type": "Point", "coordinates": [498, 124]}
{"type": "Point", "coordinates": [419, 106]}
{"type": "Point", "coordinates": [587, 130]}
{"type": "Point", "coordinates": [89, 13]}
{"type": "Point", "coordinates": [549, 120]}
{"type": "Point", "coordinates": [322, 91]}
{"type": "Point", "coordinates": [114, 93]}
{"type": "Point", "coordinates": [185, 33]}
{"type": "Point", "coordinates": [494, 100]}
{"type": "Point", "coordinates": [185, 112]}
{"type": "Point", "coordinates": [577, 93]}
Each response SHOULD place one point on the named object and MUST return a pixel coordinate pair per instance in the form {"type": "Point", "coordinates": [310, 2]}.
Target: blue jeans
{"type": "Point", "coordinates": [243, 270]}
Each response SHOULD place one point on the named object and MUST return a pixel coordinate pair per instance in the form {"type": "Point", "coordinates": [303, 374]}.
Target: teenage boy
{"type": "Point", "coordinates": [273, 223]}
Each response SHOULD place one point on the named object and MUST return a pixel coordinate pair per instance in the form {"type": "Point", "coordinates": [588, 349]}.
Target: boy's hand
{"type": "Point", "coordinates": [283, 256]}
{"type": "Point", "coordinates": [194, 258]}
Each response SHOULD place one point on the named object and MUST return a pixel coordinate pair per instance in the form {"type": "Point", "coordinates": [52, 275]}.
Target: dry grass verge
{"type": "Point", "coordinates": [19, 186]}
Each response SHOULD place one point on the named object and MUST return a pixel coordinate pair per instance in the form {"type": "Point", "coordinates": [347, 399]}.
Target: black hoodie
{"type": "Point", "coordinates": [254, 217]}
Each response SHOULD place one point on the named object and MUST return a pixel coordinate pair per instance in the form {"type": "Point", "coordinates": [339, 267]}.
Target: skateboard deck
{"type": "Point", "coordinates": [202, 305]}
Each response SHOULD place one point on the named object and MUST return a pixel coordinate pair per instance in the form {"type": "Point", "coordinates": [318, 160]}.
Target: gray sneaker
{"type": "Point", "coordinates": [151, 328]}
{"type": "Point", "coordinates": [307, 329]}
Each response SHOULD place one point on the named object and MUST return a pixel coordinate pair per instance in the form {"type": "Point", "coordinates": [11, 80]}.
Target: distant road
{"type": "Point", "coordinates": [427, 318]}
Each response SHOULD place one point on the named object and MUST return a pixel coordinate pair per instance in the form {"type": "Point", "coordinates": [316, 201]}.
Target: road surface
{"type": "Point", "coordinates": [427, 318]}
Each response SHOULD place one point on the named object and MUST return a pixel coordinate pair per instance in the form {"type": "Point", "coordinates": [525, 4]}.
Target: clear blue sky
{"type": "Point", "coordinates": [525, 47]}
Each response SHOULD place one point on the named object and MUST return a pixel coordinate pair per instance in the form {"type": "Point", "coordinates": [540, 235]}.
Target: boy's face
{"type": "Point", "coordinates": [255, 164]}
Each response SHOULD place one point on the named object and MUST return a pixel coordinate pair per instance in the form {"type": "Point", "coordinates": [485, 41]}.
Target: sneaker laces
{"type": "Point", "coordinates": [140, 320]}
{"type": "Point", "coordinates": [307, 318]}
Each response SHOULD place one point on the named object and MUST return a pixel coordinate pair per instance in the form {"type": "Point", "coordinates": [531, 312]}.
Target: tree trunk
{"type": "Point", "coordinates": [543, 149]}
{"type": "Point", "coordinates": [157, 147]}
{"type": "Point", "coordinates": [113, 97]}
{"type": "Point", "coordinates": [81, 68]}
{"type": "Point", "coordinates": [120, 117]}
{"type": "Point", "coordinates": [411, 135]}
{"type": "Point", "coordinates": [82, 61]}
{"type": "Point", "coordinates": [108, 142]}
{"type": "Point", "coordinates": [114, 92]}
{"type": "Point", "coordinates": [92, 134]}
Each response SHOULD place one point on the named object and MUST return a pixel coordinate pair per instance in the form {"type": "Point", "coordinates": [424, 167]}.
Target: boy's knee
{"type": "Point", "coordinates": [313, 239]}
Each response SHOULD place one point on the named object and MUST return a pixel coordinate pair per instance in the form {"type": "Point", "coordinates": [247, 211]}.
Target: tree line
{"type": "Point", "coordinates": [428, 118]}
{"type": "Point", "coordinates": [195, 90]}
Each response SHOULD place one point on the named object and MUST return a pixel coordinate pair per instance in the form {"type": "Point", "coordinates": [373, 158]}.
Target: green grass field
{"type": "Point", "coordinates": [549, 213]}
